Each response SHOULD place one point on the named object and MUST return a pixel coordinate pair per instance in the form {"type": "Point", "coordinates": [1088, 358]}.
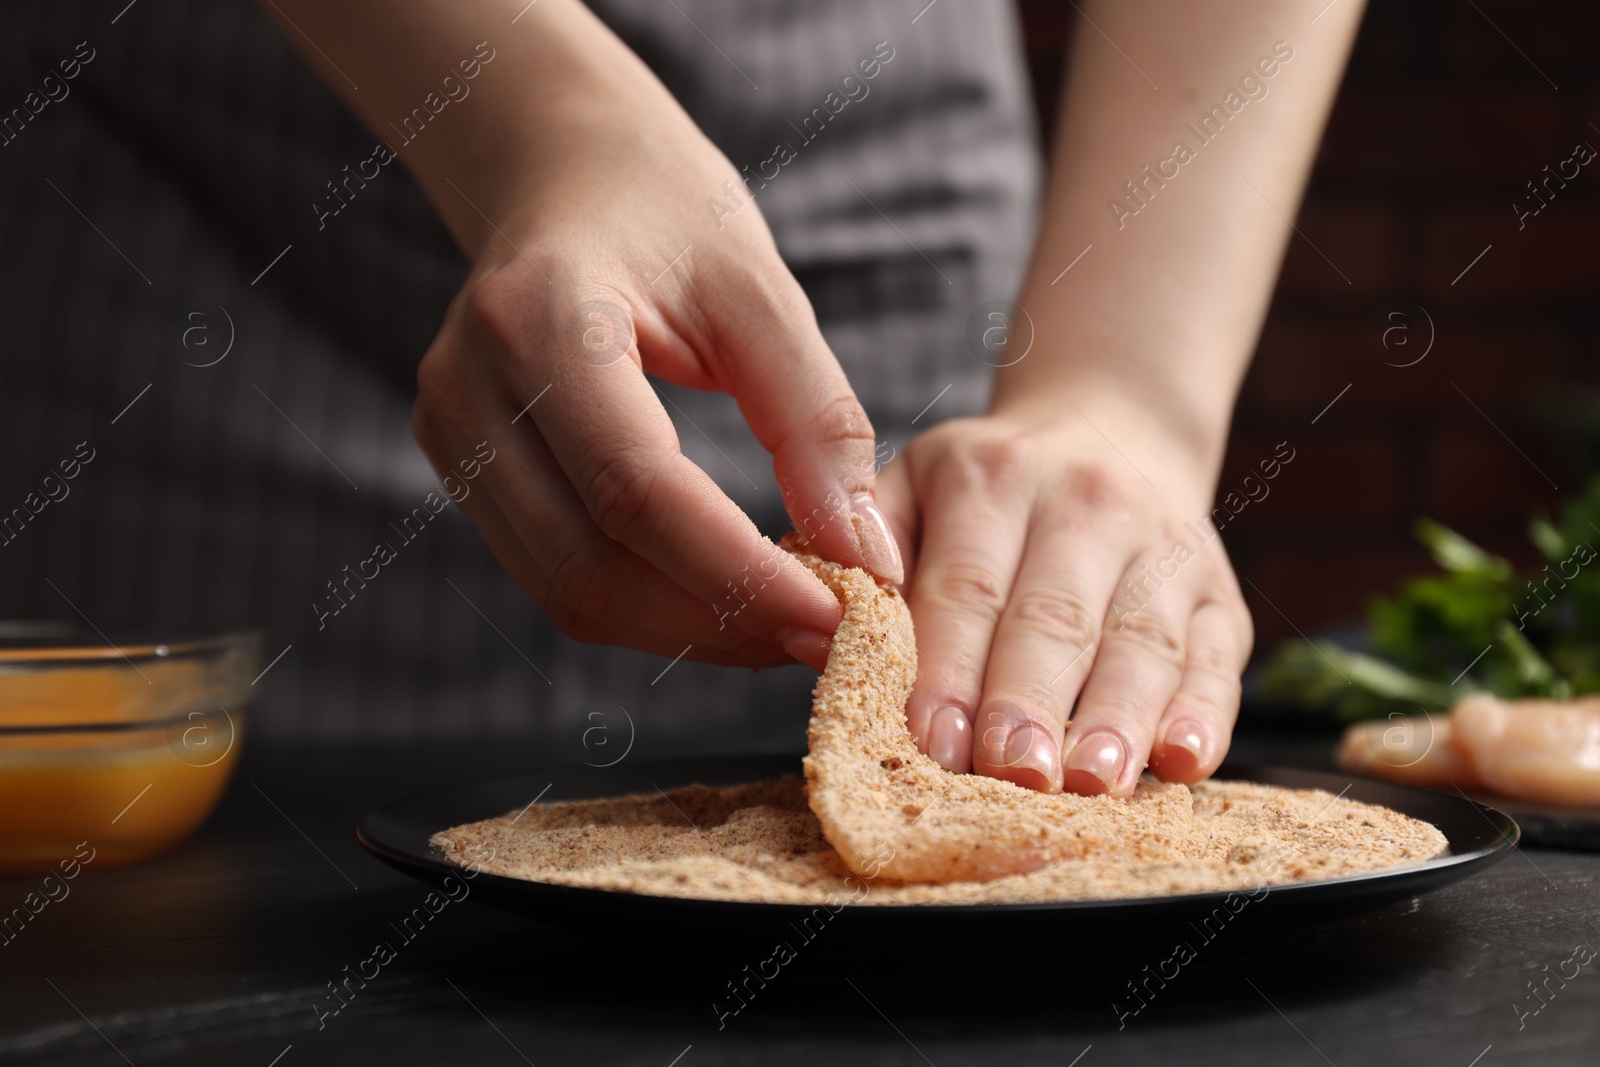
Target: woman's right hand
{"type": "Point", "coordinates": [612, 240]}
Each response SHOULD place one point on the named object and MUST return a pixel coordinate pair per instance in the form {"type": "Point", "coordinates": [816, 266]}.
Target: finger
{"type": "Point", "coordinates": [774, 361]}
{"type": "Point", "coordinates": [1136, 671]}
{"type": "Point", "coordinates": [592, 588]}
{"type": "Point", "coordinates": [617, 447]}
{"type": "Point", "coordinates": [580, 617]}
{"type": "Point", "coordinates": [899, 506]}
{"type": "Point", "coordinates": [971, 543]}
{"type": "Point", "coordinates": [502, 540]}
{"type": "Point", "coordinates": [1044, 648]}
{"type": "Point", "coordinates": [1192, 737]}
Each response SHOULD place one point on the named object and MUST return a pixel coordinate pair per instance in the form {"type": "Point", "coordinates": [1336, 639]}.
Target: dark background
{"type": "Point", "coordinates": [1441, 124]}
{"type": "Point", "coordinates": [218, 952]}
{"type": "Point", "coordinates": [1437, 129]}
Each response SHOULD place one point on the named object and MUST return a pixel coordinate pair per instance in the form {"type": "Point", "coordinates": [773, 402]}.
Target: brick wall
{"type": "Point", "coordinates": [1439, 126]}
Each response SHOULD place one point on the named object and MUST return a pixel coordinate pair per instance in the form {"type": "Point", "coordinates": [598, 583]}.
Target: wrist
{"type": "Point", "coordinates": [553, 106]}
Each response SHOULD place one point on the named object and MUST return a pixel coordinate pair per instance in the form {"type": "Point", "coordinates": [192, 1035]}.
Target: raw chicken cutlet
{"type": "Point", "coordinates": [1544, 751]}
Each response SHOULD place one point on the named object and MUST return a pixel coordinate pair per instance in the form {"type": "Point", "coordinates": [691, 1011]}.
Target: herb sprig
{"type": "Point", "coordinates": [1478, 626]}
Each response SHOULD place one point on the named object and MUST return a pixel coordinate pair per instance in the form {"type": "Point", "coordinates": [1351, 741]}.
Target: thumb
{"type": "Point", "coordinates": [793, 393]}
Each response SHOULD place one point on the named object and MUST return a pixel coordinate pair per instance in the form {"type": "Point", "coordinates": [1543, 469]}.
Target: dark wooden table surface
{"type": "Point", "coordinates": [221, 953]}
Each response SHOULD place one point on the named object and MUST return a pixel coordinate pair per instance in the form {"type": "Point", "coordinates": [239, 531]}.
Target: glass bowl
{"type": "Point", "coordinates": [114, 751]}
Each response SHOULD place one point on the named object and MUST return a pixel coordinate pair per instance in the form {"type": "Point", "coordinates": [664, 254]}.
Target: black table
{"type": "Point", "coordinates": [223, 953]}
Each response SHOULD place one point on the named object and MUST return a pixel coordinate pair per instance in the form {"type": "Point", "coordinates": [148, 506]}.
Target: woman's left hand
{"type": "Point", "coordinates": [1045, 571]}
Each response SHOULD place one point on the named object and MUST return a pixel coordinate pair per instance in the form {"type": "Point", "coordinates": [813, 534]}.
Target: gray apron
{"type": "Point", "coordinates": [157, 208]}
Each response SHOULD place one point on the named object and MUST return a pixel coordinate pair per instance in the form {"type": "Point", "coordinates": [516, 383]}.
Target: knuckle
{"type": "Point", "coordinates": [1095, 484]}
{"type": "Point", "coordinates": [749, 647]}
{"type": "Point", "coordinates": [1040, 702]}
{"type": "Point", "coordinates": [938, 445]}
{"type": "Point", "coordinates": [773, 295]}
{"type": "Point", "coordinates": [1151, 634]}
{"type": "Point", "coordinates": [1058, 614]}
{"type": "Point", "coordinates": [1220, 703]}
{"type": "Point", "coordinates": [572, 622]}
{"type": "Point", "coordinates": [1227, 596]}
{"type": "Point", "coordinates": [998, 460]}
{"type": "Point", "coordinates": [960, 670]}
{"type": "Point", "coordinates": [422, 426]}
{"type": "Point", "coordinates": [967, 587]}
{"type": "Point", "coordinates": [582, 577]}
{"type": "Point", "coordinates": [1214, 661]}
{"type": "Point", "coordinates": [842, 420]}
{"type": "Point", "coordinates": [584, 629]}
{"type": "Point", "coordinates": [1247, 628]}
{"type": "Point", "coordinates": [1117, 715]}
{"type": "Point", "coordinates": [1005, 707]}
{"type": "Point", "coordinates": [494, 310]}
{"type": "Point", "coordinates": [623, 495]}
{"type": "Point", "coordinates": [950, 661]}
{"type": "Point", "coordinates": [438, 382]}
{"type": "Point", "coordinates": [744, 307]}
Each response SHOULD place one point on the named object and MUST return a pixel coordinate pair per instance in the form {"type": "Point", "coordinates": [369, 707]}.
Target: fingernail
{"type": "Point", "coordinates": [1094, 764]}
{"type": "Point", "coordinates": [1030, 759]}
{"type": "Point", "coordinates": [876, 541]}
{"type": "Point", "coordinates": [950, 739]}
{"type": "Point", "coordinates": [807, 646]}
{"type": "Point", "coordinates": [1187, 735]}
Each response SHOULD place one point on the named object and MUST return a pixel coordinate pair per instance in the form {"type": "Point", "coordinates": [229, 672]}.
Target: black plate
{"type": "Point", "coordinates": [398, 834]}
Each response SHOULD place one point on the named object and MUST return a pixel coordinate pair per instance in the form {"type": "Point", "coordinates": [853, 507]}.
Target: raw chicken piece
{"type": "Point", "coordinates": [1546, 751]}
{"type": "Point", "coordinates": [1411, 749]}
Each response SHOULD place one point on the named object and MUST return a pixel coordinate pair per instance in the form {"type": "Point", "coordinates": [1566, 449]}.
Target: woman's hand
{"type": "Point", "coordinates": [1050, 574]}
{"type": "Point", "coordinates": [622, 242]}
{"type": "Point", "coordinates": [1053, 578]}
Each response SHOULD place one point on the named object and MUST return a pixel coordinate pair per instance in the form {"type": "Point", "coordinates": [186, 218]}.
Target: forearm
{"type": "Point", "coordinates": [501, 124]}
{"type": "Point", "coordinates": [1164, 308]}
